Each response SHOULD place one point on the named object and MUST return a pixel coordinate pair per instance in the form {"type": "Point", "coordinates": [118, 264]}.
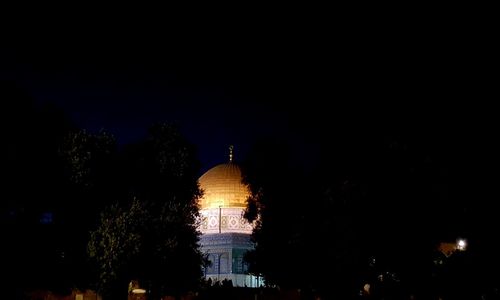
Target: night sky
{"type": "Point", "coordinates": [225, 84]}
{"type": "Point", "coordinates": [350, 97]}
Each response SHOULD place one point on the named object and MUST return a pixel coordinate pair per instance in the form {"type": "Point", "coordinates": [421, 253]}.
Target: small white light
{"type": "Point", "coordinates": [138, 291]}
{"type": "Point", "coordinates": [461, 244]}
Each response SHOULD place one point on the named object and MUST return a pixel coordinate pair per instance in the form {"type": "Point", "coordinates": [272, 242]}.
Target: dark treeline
{"type": "Point", "coordinates": [78, 212]}
{"type": "Point", "coordinates": [376, 196]}
{"type": "Point", "coordinates": [34, 186]}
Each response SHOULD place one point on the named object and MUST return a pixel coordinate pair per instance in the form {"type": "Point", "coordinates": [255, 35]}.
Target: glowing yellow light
{"type": "Point", "coordinates": [138, 291]}
{"type": "Point", "coordinates": [366, 288]}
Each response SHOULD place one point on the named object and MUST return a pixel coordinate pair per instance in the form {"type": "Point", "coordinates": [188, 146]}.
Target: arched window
{"type": "Point", "coordinates": [224, 263]}
{"type": "Point", "coordinates": [239, 264]}
{"type": "Point", "coordinates": [214, 264]}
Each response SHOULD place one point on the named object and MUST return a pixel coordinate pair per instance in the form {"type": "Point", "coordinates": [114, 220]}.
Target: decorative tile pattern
{"type": "Point", "coordinates": [231, 221]}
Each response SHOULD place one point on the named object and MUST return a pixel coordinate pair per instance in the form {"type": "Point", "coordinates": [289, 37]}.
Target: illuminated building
{"type": "Point", "coordinates": [225, 233]}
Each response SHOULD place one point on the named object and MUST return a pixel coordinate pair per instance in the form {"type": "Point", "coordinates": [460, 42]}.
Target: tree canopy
{"type": "Point", "coordinates": [374, 203]}
{"type": "Point", "coordinates": [152, 236]}
{"type": "Point", "coordinates": [33, 186]}
{"type": "Point", "coordinates": [139, 201]}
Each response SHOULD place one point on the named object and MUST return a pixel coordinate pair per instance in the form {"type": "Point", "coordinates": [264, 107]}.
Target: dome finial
{"type": "Point", "coordinates": [231, 147]}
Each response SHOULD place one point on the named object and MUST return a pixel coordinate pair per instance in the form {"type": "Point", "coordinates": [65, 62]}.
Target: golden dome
{"type": "Point", "coordinates": [222, 187]}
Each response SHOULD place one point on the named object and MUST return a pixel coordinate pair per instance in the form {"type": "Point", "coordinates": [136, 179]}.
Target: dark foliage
{"type": "Point", "coordinates": [371, 208]}
{"type": "Point", "coordinates": [152, 238]}
{"type": "Point", "coordinates": [59, 180]}
{"type": "Point", "coordinates": [33, 186]}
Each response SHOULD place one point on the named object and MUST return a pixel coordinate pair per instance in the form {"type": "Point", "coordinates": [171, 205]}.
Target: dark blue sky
{"type": "Point", "coordinates": [124, 91]}
{"type": "Point", "coordinates": [225, 85]}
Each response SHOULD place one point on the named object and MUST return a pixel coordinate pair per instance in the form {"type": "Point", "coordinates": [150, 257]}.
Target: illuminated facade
{"type": "Point", "coordinates": [225, 233]}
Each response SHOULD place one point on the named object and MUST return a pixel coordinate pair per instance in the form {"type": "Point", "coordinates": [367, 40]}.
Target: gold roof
{"type": "Point", "coordinates": [222, 187]}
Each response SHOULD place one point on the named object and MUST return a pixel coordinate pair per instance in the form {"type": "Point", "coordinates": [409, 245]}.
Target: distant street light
{"type": "Point", "coordinates": [461, 244]}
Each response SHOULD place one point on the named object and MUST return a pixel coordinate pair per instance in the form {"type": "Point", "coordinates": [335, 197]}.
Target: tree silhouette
{"type": "Point", "coordinates": [152, 238]}
{"type": "Point", "coordinates": [33, 175]}
{"type": "Point", "coordinates": [366, 197]}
